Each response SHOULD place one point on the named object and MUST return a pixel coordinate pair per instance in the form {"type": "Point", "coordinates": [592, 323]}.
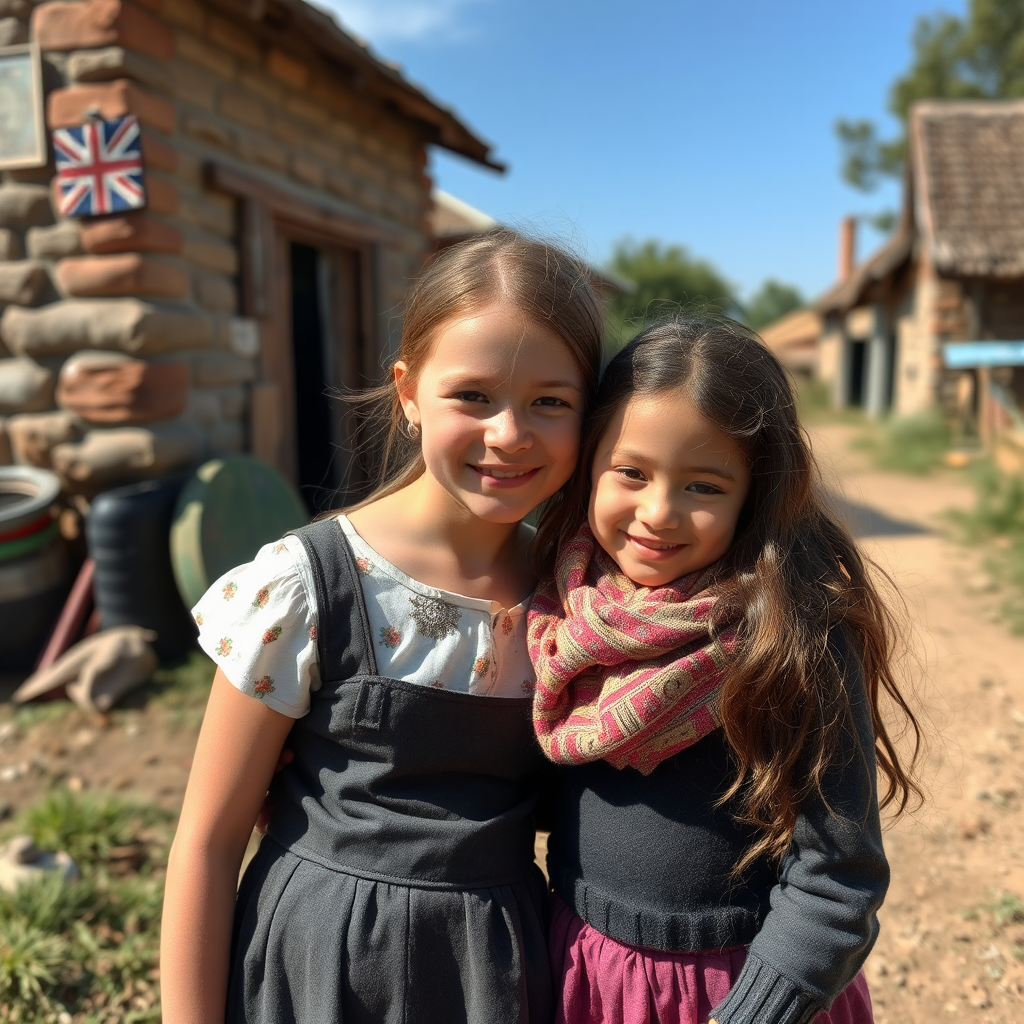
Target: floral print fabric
{"type": "Point", "coordinates": [259, 624]}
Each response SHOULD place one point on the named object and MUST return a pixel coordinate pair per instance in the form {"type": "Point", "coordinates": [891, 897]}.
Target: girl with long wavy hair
{"type": "Point", "coordinates": [714, 662]}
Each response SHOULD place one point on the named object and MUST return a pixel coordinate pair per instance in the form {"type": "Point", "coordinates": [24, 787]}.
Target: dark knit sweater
{"type": "Point", "coordinates": [646, 860]}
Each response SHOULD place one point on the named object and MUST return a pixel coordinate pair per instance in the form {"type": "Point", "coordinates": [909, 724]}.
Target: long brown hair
{"type": "Point", "coordinates": [548, 285]}
{"type": "Point", "coordinates": [792, 576]}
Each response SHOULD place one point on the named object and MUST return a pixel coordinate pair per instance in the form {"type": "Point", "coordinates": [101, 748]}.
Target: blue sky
{"type": "Point", "coordinates": [707, 124]}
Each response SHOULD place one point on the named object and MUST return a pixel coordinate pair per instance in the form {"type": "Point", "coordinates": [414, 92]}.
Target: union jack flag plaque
{"type": "Point", "coordinates": [99, 167]}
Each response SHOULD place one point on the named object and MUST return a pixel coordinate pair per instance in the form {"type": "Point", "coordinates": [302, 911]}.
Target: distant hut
{"type": "Point", "coordinates": [952, 273]}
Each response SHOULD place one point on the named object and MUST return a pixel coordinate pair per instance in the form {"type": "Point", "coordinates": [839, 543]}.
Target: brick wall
{"type": "Point", "coordinates": [160, 285]}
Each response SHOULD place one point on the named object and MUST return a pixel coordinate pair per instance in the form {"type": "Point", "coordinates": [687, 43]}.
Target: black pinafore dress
{"type": "Point", "coordinates": [396, 882]}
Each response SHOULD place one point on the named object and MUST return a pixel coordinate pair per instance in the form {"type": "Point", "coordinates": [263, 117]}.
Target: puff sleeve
{"type": "Point", "coordinates": [258, 624]}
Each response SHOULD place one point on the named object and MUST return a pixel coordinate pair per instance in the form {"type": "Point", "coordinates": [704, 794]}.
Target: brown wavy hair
{"type": "Point", "coordinates": [547, 284]}
{"type": "Point", "coordinates": [792, 576]}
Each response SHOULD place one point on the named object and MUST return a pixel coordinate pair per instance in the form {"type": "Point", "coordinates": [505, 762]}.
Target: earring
{"type": "Point", "coordinates": [412, 430]}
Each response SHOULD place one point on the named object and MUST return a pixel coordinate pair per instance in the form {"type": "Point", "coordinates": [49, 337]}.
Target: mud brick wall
{"type": "Point", "coordinates": [156, 289]}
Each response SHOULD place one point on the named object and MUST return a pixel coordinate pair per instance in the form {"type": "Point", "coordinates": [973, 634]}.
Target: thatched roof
{"type": "Point", "coordinates": [963, 197]}
{"type": "Point", "coordinates": [968, 165]}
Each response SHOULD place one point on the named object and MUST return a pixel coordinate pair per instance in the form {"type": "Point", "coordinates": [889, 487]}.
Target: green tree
{"type": "Point", "coordinates": [663, 277]}
{"type": "Point", "coordinates": [981, 56]}
{"type": "Point", "coordinates": [771, 302]}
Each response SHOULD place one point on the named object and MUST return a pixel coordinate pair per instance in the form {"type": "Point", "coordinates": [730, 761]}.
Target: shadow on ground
{"type": "Point", "coordinates": [865, 521]}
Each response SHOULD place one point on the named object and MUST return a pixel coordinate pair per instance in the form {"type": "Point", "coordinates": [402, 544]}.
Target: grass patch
{"type": "Point", "coordinates": [1002, 910]}
{"type": "Point", "coordinates": [1008, 908]}
{"type": "Point", "coordinates": [998, 506]}
{"type": "Point", "coordinates": [814, 404]}
{"type": "Point", "coordinates": [28, 716]}
{"type": "Point", "coordinates": [87, 951]}
{"type": "Point", "coordinates": [997, 520]}
{"type": "Point", "coordinates": [87, 826]}
{"type": "Point", "coordinates": [908, 444]}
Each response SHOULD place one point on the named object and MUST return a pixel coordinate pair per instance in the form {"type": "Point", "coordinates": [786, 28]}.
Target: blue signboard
{"type": "Point", "coordinates": [968, 355]}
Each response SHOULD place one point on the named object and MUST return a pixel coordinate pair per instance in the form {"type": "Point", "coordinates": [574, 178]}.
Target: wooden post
{"type": "Point", "coordinates": [265, 422]}
{"type": "Point", "coordinates": [986, 424]}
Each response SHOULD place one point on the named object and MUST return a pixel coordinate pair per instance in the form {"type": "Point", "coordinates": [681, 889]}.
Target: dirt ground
{"type": "Point", "coordinates": [952, 940]}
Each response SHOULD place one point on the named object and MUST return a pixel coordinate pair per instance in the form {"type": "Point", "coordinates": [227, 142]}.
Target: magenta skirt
{"type": "Point", "coordinates": [607, 982]}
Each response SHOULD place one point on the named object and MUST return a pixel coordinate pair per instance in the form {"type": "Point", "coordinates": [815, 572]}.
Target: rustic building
{"type": "Point", "coordinates": [794, 338]}
{"type": "Point", "coordinates": [288, 208]}
{"type": "Point", "coordinates": [953, 270]}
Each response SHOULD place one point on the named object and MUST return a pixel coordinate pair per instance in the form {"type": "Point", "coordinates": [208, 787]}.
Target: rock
{"type": "Point", "coordinates": [978, 997]}
{"type": "Point", "coordinates": [106, 457]}
{"type": "Point", "coordinates": [24, 206]}
{"type": "Point", "coordinates": [12, 32]}
{"type": "Point", "coordinates": [127, 273]}
{"type": "Point", "coordinates": [135, 232]}
{"type": "Point", "coordinates": [25, 386]}
{"type": "Point", "coordinates": [33, 436]}
{"type": "Point", "coordinates": [97, 671]}
{"type": "Point", "coordinates": [10, 245]}
{"type": "Point", "coordinates": [83, 24]}
{"type": "Point", "coordinates": [109, 62]}
{"type": "Point", "coordinates": [128, 325]}
{"type": "Point", "coordinates": [70, 106]}
{"type": "Point", "coordinates": [21, 861]}
{"type": "Point", "coordinates": [55, 241]}
{"type": "Point", "coordinates": [217, 369]}
{"type": "Point", "coordinates": [22, 282]}
{"type": "Point", "coordinates": [972, 826]}
{"type": "Point", "coordinates": [103, 387]}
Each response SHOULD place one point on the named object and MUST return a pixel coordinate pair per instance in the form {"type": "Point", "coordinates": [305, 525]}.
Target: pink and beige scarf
{"type": "Point", "coordinates": [625, 673]}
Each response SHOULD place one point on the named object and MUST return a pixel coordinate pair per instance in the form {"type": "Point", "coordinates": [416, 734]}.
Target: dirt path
{"type": "Point", "coordinates": [952, 942]}
{"type": "Point", "coordinates": [952, 939]}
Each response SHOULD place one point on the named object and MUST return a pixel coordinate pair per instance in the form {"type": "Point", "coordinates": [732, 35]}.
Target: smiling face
{"type": "Point", "coordinates": [499, 405]}
{"type": "Point", "coordinates": [668, 488]}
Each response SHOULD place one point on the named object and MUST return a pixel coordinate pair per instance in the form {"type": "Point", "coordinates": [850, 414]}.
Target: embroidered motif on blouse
{"type": "Point", "coordinates": [434, 619]}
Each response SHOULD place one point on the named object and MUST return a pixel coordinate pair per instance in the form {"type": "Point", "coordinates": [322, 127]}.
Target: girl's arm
{"type": "Point", "coordinates": [822, 923]}
{"type": "Point", "coordinates": [238, 748]}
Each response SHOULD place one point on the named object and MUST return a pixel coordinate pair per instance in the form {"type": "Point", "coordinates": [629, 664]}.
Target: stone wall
{"type": "Point", "coordinates": [156, 289]}
{"type": "Point", "coordinates": [830, 360]}
{"type": "Point", "coordinates": [935, 316]}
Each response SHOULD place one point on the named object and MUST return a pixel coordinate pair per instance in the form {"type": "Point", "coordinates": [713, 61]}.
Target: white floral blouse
{"type": "Point", "coordinates": [258, 622]}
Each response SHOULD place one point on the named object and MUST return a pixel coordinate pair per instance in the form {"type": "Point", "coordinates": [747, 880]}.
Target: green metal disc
{"type": "Point", "coordinates": [226, 512]}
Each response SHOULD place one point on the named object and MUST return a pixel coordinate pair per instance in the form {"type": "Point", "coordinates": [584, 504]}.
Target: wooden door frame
{"type": "Point", "coordinates": [270, 220]}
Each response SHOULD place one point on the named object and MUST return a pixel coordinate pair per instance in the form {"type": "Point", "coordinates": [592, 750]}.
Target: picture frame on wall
{"type": "Point", "coordinates": [22, 125]}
